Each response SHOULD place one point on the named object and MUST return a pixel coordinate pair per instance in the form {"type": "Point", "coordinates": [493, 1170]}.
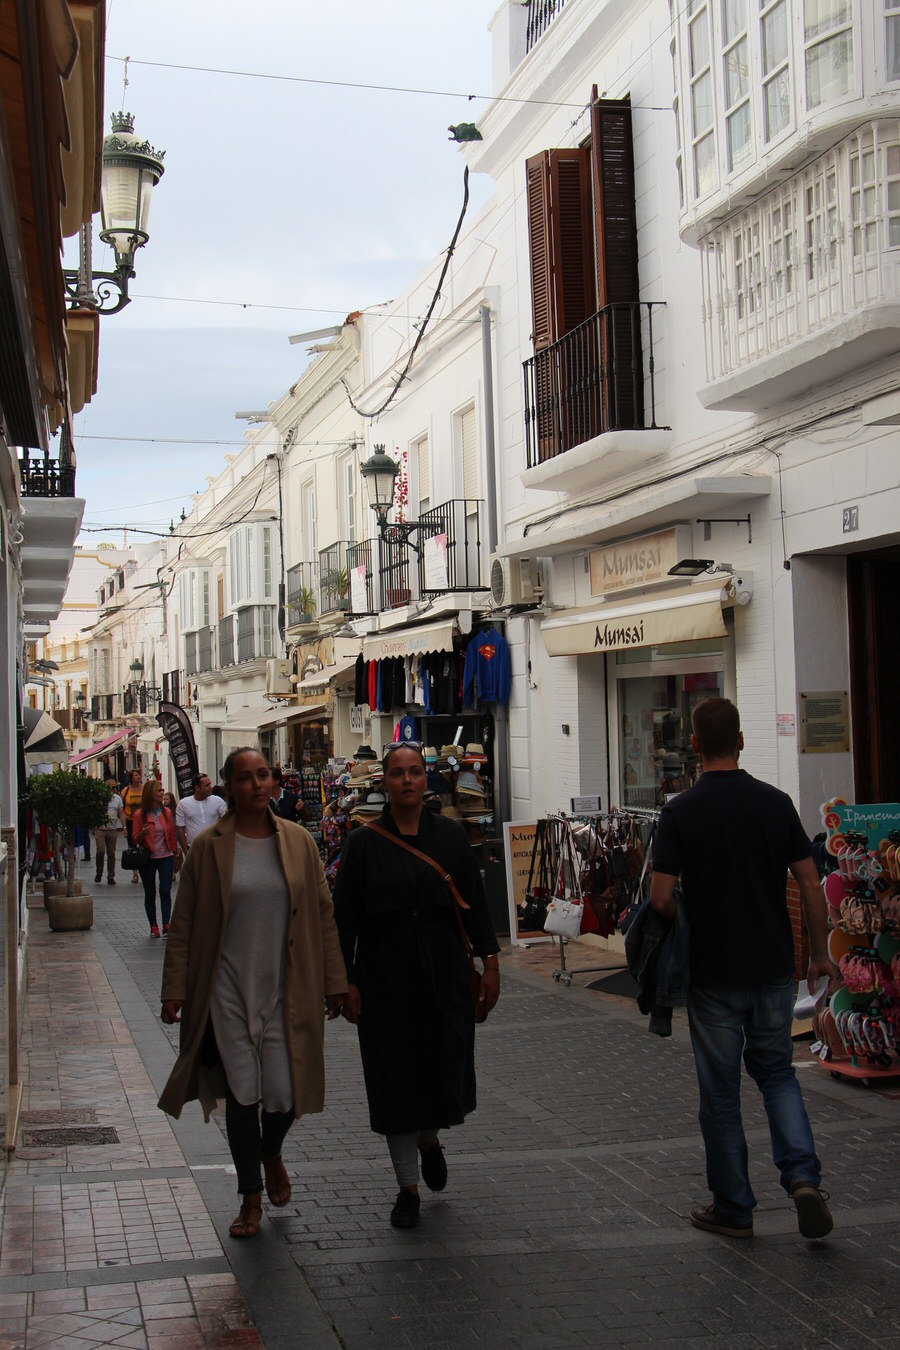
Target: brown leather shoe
{"type": "Point", "coordinates": [246, 1225]}
{"type": "Point", "coordinates": [278, 1183]}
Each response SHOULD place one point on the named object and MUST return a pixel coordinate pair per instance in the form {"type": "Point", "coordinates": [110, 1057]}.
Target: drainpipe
{"type": "Point", "coordinates": [501, 715]}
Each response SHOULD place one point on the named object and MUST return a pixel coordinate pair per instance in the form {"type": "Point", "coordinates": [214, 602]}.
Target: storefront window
{"type": "Point", "coordinates": [657, 691]}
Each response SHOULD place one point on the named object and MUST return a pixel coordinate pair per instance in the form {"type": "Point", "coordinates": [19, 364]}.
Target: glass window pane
{"type": "Point", "coordinates": [702, 103]}
{"type": "Point", "coordinates": [893, 159]}
{"type": "Point", "coordinates": [705, 177]}
{"type": "Point", "coordinates": [774, 38]}
{"type": "Point", "coordinates": [829, 70]}
{"type": "Point", "coordinates": [734, 18]}
{"type": "Point", "coordinates": [737, 73]}
{"type": "Point", "coordinates": [699, 42]}
{"type": "Point", "coordinates": [778, 104]}
{"type": "Point", "coordinates": [894, 196]}
{"type": "Point", "coordinates": [739, 141]}
{"type": "Point", "coordinates": [655, 757]}
{"type": "Point", "coordinates": [895, 232]}
{"type": "Point", "coordinates": [892, 41]}
{"type": "Point", "coordinates": [822, 16]}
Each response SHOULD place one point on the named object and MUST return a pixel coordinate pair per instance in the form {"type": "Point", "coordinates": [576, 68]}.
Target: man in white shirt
{"type": "Point", "coordinates": [193, 814]}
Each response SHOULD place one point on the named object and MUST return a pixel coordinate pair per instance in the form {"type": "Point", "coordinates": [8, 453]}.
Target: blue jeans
{"type": "Point", "coordinates": [165, 868]}
{"type": "Point", "coordinates": [756, 1022]}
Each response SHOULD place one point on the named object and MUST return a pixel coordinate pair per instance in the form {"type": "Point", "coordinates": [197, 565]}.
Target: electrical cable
{"type": "Point", "coordinates": [424, 324]}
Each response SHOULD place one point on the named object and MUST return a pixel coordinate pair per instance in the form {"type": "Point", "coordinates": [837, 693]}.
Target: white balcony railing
{"type": "Point", "coordinates": [820, 247]}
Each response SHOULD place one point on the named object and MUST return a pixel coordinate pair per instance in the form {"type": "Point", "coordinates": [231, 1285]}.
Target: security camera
{"type": "Point", "coordinates": [743, 588]}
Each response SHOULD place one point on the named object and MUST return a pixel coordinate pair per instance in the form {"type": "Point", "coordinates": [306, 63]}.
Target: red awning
{"type": "Point", "coordinates": [101, 747]}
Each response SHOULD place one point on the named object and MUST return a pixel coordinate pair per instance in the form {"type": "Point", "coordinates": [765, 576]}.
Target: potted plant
{"type": "Point", "coordinates": [304, 605]}
{"type": "Point", "coordinates": [63, 800]}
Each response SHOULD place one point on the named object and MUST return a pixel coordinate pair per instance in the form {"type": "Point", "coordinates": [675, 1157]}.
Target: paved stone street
{"type": "Point", "coordinates": [563, 1224]}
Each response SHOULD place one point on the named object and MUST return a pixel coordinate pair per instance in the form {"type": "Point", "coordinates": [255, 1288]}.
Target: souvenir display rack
{"type": "Point", "coordinates": [858, 1032]}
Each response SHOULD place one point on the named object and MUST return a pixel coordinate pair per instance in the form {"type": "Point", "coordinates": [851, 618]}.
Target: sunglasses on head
{"type": "Point", "coordinates": [403, 745]}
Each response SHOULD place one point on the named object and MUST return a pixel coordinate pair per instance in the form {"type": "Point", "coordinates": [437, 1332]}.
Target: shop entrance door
{"type": "Point", "coordinates": [873, 584]}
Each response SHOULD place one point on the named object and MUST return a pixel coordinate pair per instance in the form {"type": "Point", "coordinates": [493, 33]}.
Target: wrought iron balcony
{"type": "Point", "coordinates": [448, 555]}
{"type": "Point", "coordinates": [541, 14]}
{"type": "Point", "coordinates": [334, 582]}
{"type": "Point", "coordinates": [139, 698]}
{"type": "Point", "coordinates": [592, 381]}
{"type": "Point", "coordinates": [106, 707]}
{"type": "Point", "coordinates": [302, 592]}
{"type": "Point", "coordinates": [361, 577]}
{"type": "Point", "coordinates": [46, 477]}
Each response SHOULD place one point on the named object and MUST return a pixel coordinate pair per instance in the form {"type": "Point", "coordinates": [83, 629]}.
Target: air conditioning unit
{"type": "Point", "coordinates": [515, 581]}
{"type": "Point", "coordinates": [278, 677]}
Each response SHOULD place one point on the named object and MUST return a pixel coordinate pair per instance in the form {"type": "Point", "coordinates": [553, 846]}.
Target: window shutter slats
{"type": "Point", "coordinates": [537, 174]}
{"type": "Point", "coordinates": [423, 469]}
{"type": "Point", "coordinates": [572, 252]}
{"type": "Point", "coordinates": [616, 232]}
{"type": "Point", "coordinates": [469, 457]}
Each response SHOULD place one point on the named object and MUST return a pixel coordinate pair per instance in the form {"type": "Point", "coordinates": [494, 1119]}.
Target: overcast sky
{"type": "Point", "coordinates": [284, 206]}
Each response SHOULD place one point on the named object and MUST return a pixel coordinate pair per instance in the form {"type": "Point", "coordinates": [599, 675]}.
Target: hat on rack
{"type": "Point", "coordinates": [467, 785]}
{"type": "Point", "coordinates": [474, 757]}
{"type": "Point", "coordinates": [430, 754]}
{"type": "Point", "coordinates": [361, 770]}
{"type": "Point", "coordinates": [451, 752]}
{"type": "Point", "coordinates": [364, 752]}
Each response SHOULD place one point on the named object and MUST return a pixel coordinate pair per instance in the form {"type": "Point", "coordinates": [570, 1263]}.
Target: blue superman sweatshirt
{"type": "Point", "coordinates": [487, 669]}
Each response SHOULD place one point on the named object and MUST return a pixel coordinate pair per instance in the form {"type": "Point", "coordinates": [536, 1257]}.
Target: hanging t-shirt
{"type": "Point", "coordinates": [487, 669]}
{"type": "Point", "coordinates": [408, 729]}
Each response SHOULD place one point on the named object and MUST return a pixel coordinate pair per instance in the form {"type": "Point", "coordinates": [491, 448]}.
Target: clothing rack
{"type": "Point", "coordinates": [563, 973]}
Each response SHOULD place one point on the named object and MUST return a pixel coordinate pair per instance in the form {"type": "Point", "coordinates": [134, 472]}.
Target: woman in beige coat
{"type": "Point", "coordinates": [252, 961]}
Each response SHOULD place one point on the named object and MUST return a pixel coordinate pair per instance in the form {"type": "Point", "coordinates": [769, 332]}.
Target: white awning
{"type": "Point", "coordinates": [681, 615]}
{"type": "Point", "coordinates": [322, 678]}
{"type": "Point", "coordinates": [432, 637]}
{"type": "Point", "coordinates": [249, 719]}
{"type": "Point", "coordinates": [295, 712]}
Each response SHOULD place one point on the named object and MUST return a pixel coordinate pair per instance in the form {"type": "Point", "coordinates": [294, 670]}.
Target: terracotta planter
{"type": "Point", "coordinates": [52, 888]}
{"type": "Point", "coordinates": [70, 913]}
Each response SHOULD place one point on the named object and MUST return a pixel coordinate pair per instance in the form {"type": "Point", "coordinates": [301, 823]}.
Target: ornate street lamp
{"type": "Point", "coordinates": [136, 670]}
{"type": "Point", "coordinates": [131, 169]}
{"type": "Point", "coordinates": [378, 473]}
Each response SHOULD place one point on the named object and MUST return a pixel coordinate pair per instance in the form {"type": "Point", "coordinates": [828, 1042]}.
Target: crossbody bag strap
{"type": "Point", "coordinates": [459, 903]}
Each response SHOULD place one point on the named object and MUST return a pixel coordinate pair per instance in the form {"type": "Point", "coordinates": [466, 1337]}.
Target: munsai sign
{"type": "Point", "coordinates": [638, 562]}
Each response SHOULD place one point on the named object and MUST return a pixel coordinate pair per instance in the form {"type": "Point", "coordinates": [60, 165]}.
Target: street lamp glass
{"type": "Point", "coordinates": [131, 169]}
{"type": "Point", "coordinates": [379, 473]}
{"type": "Point", "coordinates": [137, 669]}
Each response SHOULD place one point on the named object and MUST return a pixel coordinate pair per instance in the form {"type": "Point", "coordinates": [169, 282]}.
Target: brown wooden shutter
{"type": "Point", "coordinates": [617, 262]}
{"type": "Point", "coordinates": [573, 265]}
{"type": "Point", "coordinates": [537, 173]}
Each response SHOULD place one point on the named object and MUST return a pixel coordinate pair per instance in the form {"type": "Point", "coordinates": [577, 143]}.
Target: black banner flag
{"type": "Point", "coordinates": [177, 729]}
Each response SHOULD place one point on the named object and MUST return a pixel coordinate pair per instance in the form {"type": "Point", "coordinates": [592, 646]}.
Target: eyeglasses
{"type": "Point", "coordinates": [403, 745]}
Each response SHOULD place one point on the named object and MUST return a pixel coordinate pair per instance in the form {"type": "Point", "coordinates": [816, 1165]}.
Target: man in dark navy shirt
{"type": "Point", "coordinates": [732, 840]}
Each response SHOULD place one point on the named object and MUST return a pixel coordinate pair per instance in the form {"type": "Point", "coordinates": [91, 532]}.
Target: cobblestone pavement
{"type": "Point", "coordinates": [563, 1224]}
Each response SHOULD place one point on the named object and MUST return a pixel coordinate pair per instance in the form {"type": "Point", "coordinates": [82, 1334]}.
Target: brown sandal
{"type": "Point", "coordinates": [246, 1225]}
{"type": "Point", "coordinates": [278, 1183]}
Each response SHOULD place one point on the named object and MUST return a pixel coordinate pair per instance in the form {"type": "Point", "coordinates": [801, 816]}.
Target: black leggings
{"type": "Point", "coordinates": [250, 1134]}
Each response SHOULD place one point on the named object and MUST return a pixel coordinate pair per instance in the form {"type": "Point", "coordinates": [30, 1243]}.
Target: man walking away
{"type": "Point", "coordinates": [193, 814]}
{"type": "Point", "coordinates": [108, 835]}
{"type": "Point", "coordinates": [732, 840]}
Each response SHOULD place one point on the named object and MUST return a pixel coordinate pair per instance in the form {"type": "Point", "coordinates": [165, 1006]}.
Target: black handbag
{"type": "Point", "coordinates": [135, 857]}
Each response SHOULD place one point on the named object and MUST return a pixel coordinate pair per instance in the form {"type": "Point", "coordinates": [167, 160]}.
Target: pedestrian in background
{"type": "Point", "coordinates": [107, 836]}
{"type": "Point", "coordinates": [287, 805]}
{"type": "Point", "coordinates": [131, 800]}
{"type": "Point", "coordinates": [196, 812]}
{"type": "Point", "coordinates": [410, 993]}
{"type": "Point", "coordinates": [732, 839]}
{"type": "Point", "coordinates": [154, 828]}
{"type": "Point", "coordinates": [252, 961]}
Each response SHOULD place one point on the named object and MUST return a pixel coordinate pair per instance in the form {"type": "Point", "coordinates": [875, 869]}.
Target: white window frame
{"type": "Point", "coordinates": [891, 25]}
{"type": "Point", "coordinates": [733, 59]}
{"type": "Point", "coordinates": [421, 457]}
{"type": "Point", "coordinates": [823, 38]}
{"type": "Point", "coordinates": [699, 13]}
{"type": "Point", "coordinates": [781, 69]}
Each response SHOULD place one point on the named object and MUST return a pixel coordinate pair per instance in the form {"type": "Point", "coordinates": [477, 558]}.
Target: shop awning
{"type": "Point", "coordinates": [322, 678]}
{"type": "Point", "coordinates": [432, 637]}
{"type": "Point", "coordinates": [646, 621]}
{"type": "Point", "coordinates": [300, 712]}
{"type": "Point", "coordinates": [101, 747]}
{"type": "Point", "coordinates": [249, 719]}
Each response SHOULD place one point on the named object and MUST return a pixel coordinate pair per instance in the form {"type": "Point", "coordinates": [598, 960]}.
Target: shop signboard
{"type": "Point", "coordinates": [518, 836]}
{"type": "Point", "coordinates": [435, 555]}
{"type": "Point", "coordinates": [177, 729]}
{"type": "Point", "coordinates": [358, 590]}
{"type": "Point", "coordinates": [638, 562]}
{"type": "Point", "coordinates": [877, 820]}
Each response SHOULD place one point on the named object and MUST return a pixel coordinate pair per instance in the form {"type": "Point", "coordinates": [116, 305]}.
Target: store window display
{"type": "Point", "coordinates": [657, 691]}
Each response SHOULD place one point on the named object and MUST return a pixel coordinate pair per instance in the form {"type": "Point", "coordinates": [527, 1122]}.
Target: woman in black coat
{"type": "Point", "coordinates": [409, 992]}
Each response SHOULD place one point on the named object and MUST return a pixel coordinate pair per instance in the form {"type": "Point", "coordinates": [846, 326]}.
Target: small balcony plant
{"type": "Point", "coordinates": [303, 605]}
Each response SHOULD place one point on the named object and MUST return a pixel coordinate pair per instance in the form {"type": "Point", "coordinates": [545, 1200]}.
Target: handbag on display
{"type": "Point", "coordinates": [565, 910]}
{"type": "Point", "coordinates": [531, 912]}
{"type": "Point", "coordinates": [135, 857]}
{"type": "Point", "coordinates": [459, 905]}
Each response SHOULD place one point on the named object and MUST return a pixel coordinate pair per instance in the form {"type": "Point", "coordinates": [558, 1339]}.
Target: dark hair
{"type": "Point", "coordinates": [415, 746]}
{"type": "Point", "coordinates": [198, 779]}
{"type": "Point", "coordinates": [717, 726]}
{"type": "Point", "coordinates": [228, 766]}
{"type": "Point", "coordinates": [276, 774]}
